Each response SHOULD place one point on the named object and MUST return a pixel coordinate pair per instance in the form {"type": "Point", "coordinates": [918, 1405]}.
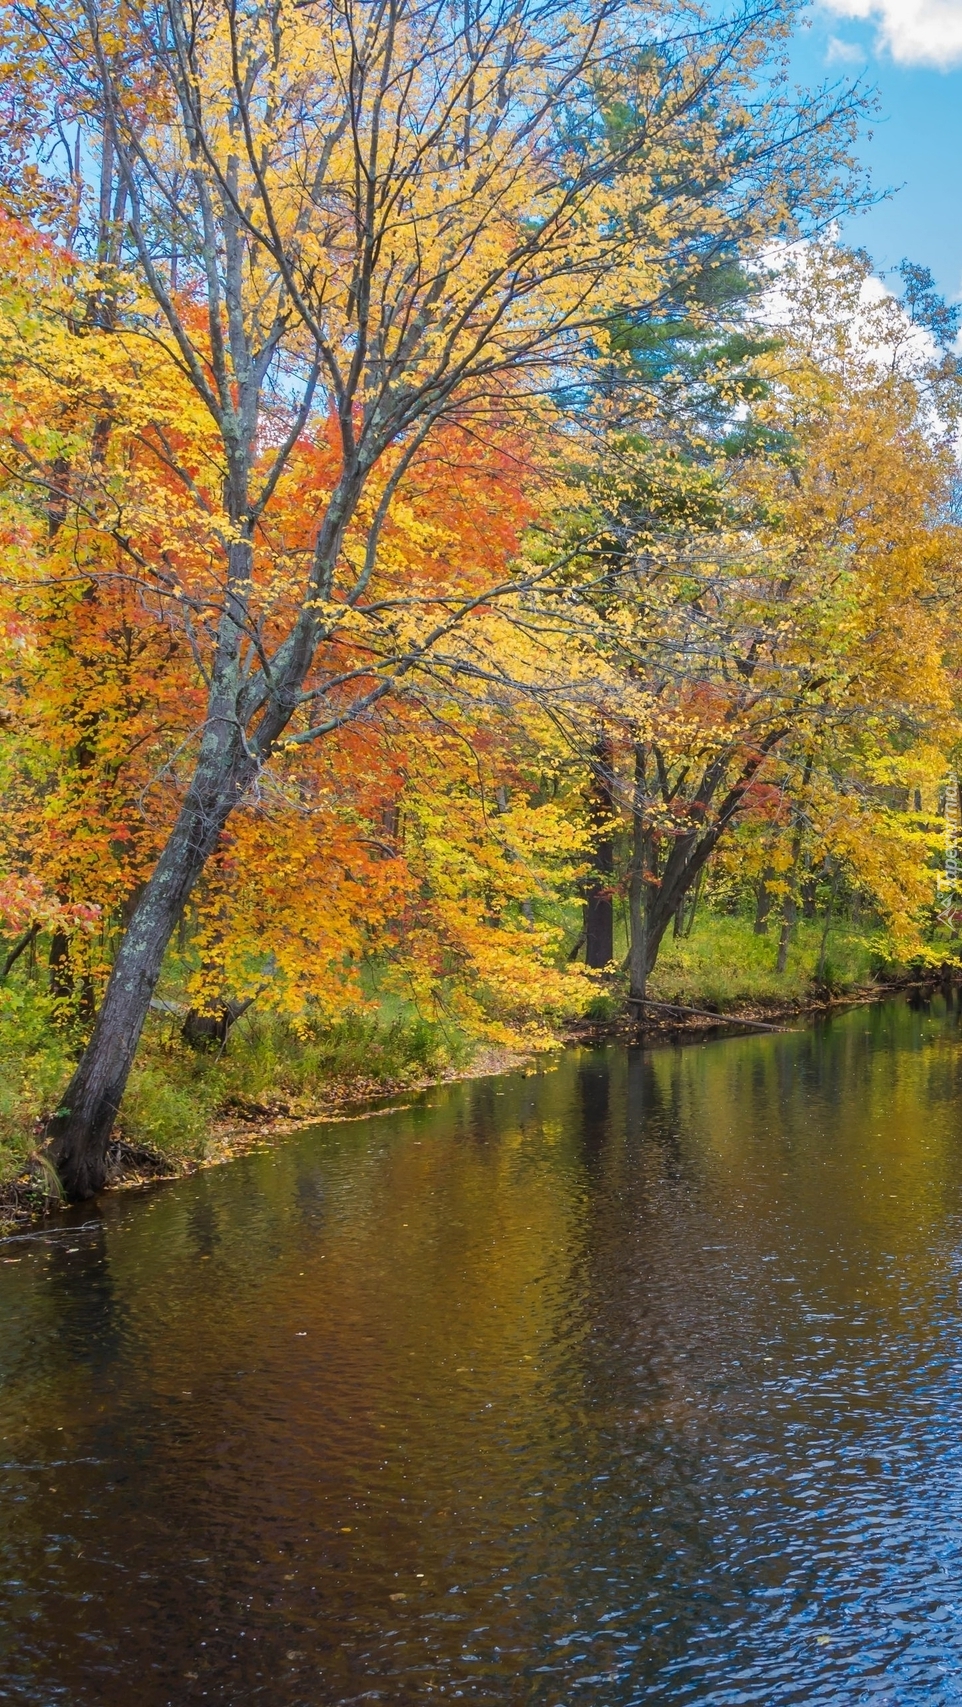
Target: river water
{"type": "Point", "coordinates": [638, 1379]}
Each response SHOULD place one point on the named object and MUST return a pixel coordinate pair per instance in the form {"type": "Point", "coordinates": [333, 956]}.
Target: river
{"type": "Point", "coordinates": [637, 1379]}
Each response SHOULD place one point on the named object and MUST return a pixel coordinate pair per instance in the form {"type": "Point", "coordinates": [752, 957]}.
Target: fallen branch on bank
{"type": "Point", "coordinates": [705, 1013]}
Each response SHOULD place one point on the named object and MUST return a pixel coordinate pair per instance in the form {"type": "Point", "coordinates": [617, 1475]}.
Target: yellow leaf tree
{"type": "Point", "coordinates": [389, 219]}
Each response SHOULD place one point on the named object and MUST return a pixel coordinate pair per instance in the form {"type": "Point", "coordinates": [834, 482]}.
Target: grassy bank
{"type": "Point", "coordinates": [180, 1102]}
{"type": "Point", "coordinates": [179, 1099]}
{"type": "Point", "coordinates": [724, 964]}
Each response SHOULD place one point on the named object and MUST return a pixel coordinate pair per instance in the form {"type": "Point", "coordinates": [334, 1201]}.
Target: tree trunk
{"type": "Point", "coordinates": [654, 901]}
{"type": "Point", "coordinates": [829, 914]}
{"type": "Point", "coordinates": [599, 901]}
{"type": "Point", "coordinates": [61, 977]}
{"type": "Point", "coordinates": [599, 925]}
{"type": "Point", "coordinates": [789, 915]}
{"type": "Point", "coordinates": [790, 905]}
{"type": "Point", "coordinates": [693, 904]}
{"type": "Point", "coordinates": [204, 1030]}
{"type": "Point", "coordinates": [642, 861]}
{"type": "Point", "coordinates": [79, 1130]}
{"type": "Point", "coordinates": [26, 941]}
{"type": "Point", "coordinates": [763, 903]}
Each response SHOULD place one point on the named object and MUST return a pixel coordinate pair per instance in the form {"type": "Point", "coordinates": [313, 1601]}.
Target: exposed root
{"type": "Point", "coordinates": [135, 1162]}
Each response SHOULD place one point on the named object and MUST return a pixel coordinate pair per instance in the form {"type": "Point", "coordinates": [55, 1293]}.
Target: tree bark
{"type": "Point", "coordinates": [79, 1130]}
{"type": "Point", "coordinates": [763, 903]}
{"type": "Point", "coordinates": [61, 977]}
{"type": "Point", "coordinates": [599, 901]}
{"type": "Point", "coordinates": [599, 923]}
{"type": "Point", "coordinates": [642, 862]}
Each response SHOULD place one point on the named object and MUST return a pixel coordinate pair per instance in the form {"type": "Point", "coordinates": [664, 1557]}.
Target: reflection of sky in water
{"type": "Point", "coordinates": [633, 1381]}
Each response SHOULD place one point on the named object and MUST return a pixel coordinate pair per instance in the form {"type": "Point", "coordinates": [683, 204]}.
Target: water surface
{"type": "Point", "coordinates": [638, 1380]}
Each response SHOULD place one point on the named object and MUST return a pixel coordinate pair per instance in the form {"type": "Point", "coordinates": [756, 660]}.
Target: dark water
{"type": "Point", "coordinates": [639, 1380]}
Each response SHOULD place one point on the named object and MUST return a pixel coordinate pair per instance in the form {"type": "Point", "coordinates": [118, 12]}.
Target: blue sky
{"type": "Point", "coordinates": [911, 51]}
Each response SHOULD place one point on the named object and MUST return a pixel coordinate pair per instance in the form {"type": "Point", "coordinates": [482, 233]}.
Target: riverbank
{"type": "Point", "coordinates": [660, 1021]}
{"type": "Point", "coordinates": [27, 1194]}
{"type": "Point", "coordinates": [186, 1110]}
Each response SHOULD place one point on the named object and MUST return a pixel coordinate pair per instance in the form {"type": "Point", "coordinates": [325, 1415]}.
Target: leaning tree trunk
{"type": "Point", "coordinates": [226, 765]}
{"type": "Point", "coordinates": [79, 1131]}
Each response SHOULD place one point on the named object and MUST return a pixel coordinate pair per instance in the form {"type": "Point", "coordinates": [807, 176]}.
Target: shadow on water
{"type": "Point", "coordinates": [636, 1380]}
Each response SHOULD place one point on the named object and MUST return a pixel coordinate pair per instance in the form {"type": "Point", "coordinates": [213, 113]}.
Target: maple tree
{"type": "Point", "coordinates": [101, 701]}
{"type": "Point", "coordinates": [314, 239]}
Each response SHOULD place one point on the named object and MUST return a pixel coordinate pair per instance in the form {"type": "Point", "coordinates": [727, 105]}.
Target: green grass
{"type": "Point", "coordinates": [35, 1064]}
{"type": "Point", "coordinates": [723, 963]}
{"type": "Point", "coordinates": [176, 1093]}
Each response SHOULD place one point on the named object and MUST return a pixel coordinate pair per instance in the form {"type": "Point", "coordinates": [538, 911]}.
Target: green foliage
{"type": "Point", "coordinates": [270, 1057]}
{"type": "Point", "coordinates": [35, 1063]}
{"type": "Point", "coordinates": [175, 1095]}
{"type": "Point", "coordinates": [723, 963]}
{"type": "Point", "coordinates": [171, 1101]}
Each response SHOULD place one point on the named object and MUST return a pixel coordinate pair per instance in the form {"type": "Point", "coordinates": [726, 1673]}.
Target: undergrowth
{"type": "Point", "coordinates": [176, 1093]}
{"type": "Point", "coordinates": [723, 963]}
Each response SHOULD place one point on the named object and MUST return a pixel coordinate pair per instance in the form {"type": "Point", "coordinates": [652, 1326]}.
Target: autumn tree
{"type": "Point", "coordinates": [378, 219]}
{"type": "Point", "coordinates": [662, 427]}
{"type": "Point", "coordinates": [344, 856]}
{"type": "Point", "coordinates": [780, 606]}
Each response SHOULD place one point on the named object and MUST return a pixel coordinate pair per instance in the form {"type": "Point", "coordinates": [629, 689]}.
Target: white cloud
{"type": "Point", "coordinates": [914, 32]}
{"type": "Point", "coordinates": [844, 52]}
{"type": "Point", "coordinates": [878, 327]}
